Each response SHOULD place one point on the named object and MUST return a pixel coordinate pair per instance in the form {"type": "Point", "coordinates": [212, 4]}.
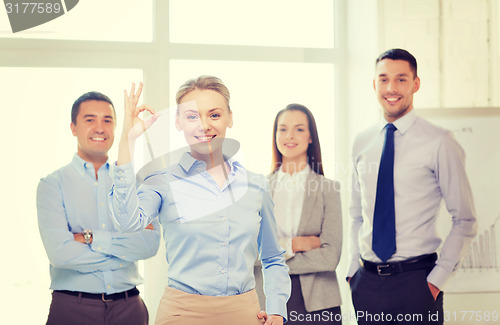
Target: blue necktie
{"type": "Point", "coordinates": [384, 216]}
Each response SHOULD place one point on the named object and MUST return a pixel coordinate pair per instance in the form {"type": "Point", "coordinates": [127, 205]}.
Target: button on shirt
{"type": "Point", "coordinates": [71, 200]}
{"type": "Point", "coordinates": [212, 234]}
{"type": "Point", "coordinates": [429, 165]}
{"type": "Point", "coordinates": [288, 198]}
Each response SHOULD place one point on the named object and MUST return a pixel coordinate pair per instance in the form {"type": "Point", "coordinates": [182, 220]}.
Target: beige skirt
{"type": "Point", "coordinates": [178, 307]}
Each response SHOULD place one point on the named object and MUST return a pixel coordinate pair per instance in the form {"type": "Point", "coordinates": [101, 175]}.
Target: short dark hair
{"type": "Point", "coordinates": [91, 95]}
{"type": "Point", "coordinates": [314, 149]}
{"type": "Point", "coordinates": [399, 54]}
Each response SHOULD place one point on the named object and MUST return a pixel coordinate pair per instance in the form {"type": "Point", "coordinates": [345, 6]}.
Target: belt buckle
{"type": "Point", "coordinates": [104, 299]}
{"type": "Point", "coordinates": [381, 268]}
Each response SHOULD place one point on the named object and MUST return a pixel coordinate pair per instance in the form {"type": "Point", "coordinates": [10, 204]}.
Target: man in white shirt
{"type": "Point", "coordinates": [403, 167]}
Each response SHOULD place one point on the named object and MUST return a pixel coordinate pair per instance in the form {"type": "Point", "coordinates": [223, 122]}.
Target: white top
{"type": "Point", "coordinates": [429, 165]}
{"type": "Point", "coordinates": [288, 199]}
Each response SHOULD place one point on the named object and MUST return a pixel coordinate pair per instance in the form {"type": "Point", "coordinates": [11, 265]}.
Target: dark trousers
{"type": "Point", "coordinates": [66, 309]}
{"type": "Point", "coordinates": [297, 313]}
{"type": "Point", "coordinates": [403, 298]}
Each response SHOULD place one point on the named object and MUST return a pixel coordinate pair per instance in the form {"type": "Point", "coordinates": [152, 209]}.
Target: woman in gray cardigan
{"type": "Point", "coordinates": [308, 215]}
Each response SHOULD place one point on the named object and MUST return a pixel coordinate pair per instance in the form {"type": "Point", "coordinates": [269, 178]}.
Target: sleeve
{"type": "Point", "coordinates": [457, 194]}
{"type": "Point", "coordinates": [286, 243]}
{"type": "Point", "coordinates": [128, 246]}
{"type": "Point", "coordinates": [62, 249]}
{"type": "Point", "coordinates": [277, 285]}
{"type": "Point", "coordinates": [355, 223]}
{"type": "Point", "coordinates": [132, 209]}
{"type": "Point", "coordinates": [325, 258]}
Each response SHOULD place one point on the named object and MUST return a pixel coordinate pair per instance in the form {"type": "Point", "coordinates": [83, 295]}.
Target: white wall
{"type": "Point", "coordinates": [360, 111]}
{"type": "Point", "coordinates": [454, 43]}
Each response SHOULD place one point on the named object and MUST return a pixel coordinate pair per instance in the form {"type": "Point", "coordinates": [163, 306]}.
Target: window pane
{"type": "Point", "coordinates": [290, 23]}
{"type": "Point", "coordinates": [110, 20]}
{"type": "Point", "coordinates": [36, 141]}
{"type": "Point", "coordinates": [258, 91]}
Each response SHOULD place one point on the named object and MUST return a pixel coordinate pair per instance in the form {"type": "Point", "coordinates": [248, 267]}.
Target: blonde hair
{"type": "Point", "coordinates": [201, 83]}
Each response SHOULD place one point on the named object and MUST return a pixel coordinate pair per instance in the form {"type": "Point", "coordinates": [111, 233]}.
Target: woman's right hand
{"type": "Point", "coordinates": [133, 125]}
{"type": "Point", "coordinates": [305, 243]}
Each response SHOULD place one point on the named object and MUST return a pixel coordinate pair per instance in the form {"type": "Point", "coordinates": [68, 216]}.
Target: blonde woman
{"type": "Point", "coordinates": [216, 216]}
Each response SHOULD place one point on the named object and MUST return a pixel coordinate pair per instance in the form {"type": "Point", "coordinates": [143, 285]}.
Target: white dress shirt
{"type": "Point", "coordinates": [429, 165]}
{"type": "Point", "coordinates": [288, 200]}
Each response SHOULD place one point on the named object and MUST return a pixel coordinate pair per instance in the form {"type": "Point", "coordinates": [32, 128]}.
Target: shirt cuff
{"type": "Point", "coordinates": [438, 277]}
{"type": "Point", "coordinates": [272, 309]}
{"type": "Point", "coordinates": [353, 268]}
{"type": "Point", "coordinates": [286, 243]}
{"type": "Point", "coordinates": [101, 241]}
{"type": "Point", "coordinates": [123, 175]}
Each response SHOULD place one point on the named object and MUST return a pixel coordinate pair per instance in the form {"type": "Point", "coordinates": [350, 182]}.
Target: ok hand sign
{"type": "Point", "coordinates": [133, 125]}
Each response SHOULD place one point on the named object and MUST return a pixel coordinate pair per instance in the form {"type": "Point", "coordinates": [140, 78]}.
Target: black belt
{"type": "Point", "coordinates": [412, 264]}
{"type": "Point", "coordinates": [102, 296]}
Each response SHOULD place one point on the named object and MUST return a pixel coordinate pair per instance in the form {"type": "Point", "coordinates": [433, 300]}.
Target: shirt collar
{"type": "Point", "coordinates": [298, 175]}
{"type": "Point", "coordinates": [187, 162]}
{"type": "Point", "coordinates": [82, 166]}
{"type": "Point", "coordinates": [403, 123]}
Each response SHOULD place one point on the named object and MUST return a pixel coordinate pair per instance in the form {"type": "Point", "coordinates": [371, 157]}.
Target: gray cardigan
{"type": "Point", "coordinates": [321, 216]}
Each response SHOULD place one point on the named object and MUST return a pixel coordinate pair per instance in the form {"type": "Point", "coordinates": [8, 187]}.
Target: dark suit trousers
{"type": "Point", "coordinates": [66, 309]}
{"type": "Point", "coordinates": [297, 313]}
{"type": "Point", "coordinates": [403, 298]}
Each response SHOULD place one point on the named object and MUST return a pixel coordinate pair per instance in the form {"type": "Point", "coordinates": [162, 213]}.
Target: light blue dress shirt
{"type": "Point", "coordinates": [212, 235]}
{"type": "Point", "coordinates": [429, 165]}
{"type": "Point", "coordinates": [71, 200]}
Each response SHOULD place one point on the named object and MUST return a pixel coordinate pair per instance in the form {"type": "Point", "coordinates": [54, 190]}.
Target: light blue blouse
{"type": "Point", "coordinates": [213, 235]}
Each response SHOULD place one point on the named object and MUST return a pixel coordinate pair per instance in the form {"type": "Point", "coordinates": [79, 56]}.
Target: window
{"type": "Point", "coordinates": [290, 23]}
{"type": "Point", "coordinates": [93, 20]}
